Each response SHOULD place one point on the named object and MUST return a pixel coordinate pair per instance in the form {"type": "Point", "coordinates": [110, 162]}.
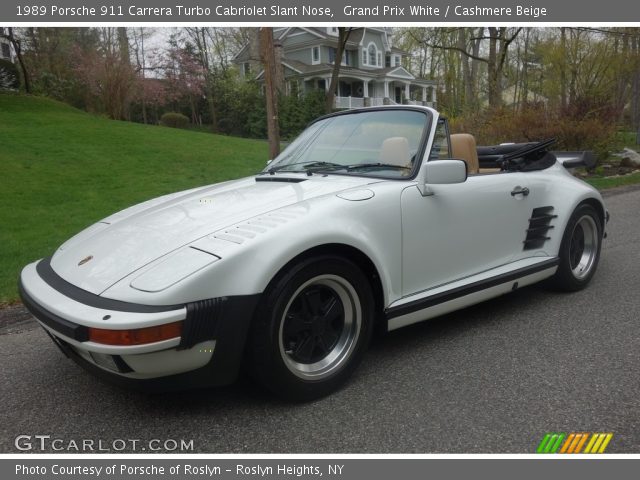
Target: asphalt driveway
{"type": "Point", "coordinates": [492, 378]}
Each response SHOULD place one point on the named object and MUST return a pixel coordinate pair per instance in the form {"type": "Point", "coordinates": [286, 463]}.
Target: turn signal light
{"type": "Point", "coordinates": [136, 336]}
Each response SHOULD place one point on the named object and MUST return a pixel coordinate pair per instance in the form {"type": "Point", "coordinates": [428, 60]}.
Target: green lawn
{"type": "Point", "coordinates": [610, 182]}
{"type": "Point", "coordinates": [62, 169]}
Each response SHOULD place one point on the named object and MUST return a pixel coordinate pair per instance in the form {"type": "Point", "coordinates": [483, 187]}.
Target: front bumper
{"type": "Point", "coordinates": [209, 351]}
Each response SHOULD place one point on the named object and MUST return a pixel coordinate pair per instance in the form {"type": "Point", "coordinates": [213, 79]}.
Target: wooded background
{"type": "Point", "coordinates": [579, 84]}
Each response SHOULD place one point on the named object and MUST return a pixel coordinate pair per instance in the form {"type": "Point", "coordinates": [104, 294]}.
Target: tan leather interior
{"type": "Point", "coordinates": [463, 146]}
{"type": "Point", "coordinates": [395, 151]}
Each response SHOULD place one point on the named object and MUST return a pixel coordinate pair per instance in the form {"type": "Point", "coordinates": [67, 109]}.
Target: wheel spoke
{"type": "Point", "coordinates": [331, 310]}
{"type": "Point", "coordinates": [304, 349]}
{"type": "Point", "coordinates": [321, 345]}
{"type": "Point", "coordinates": [305, 305]}
{"type": "Point", "coordinates": [295, 324]}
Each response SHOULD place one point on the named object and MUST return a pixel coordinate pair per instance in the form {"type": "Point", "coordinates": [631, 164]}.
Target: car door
{"type": "Point", "coordinates": [465, 228]}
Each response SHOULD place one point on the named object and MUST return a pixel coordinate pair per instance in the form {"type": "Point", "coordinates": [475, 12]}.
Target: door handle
{"type": "Point", "coordinates": [520, 191]}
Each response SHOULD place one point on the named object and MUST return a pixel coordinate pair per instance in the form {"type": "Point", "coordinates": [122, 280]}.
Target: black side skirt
{"type": "Point", "coordinates": [464, 290]}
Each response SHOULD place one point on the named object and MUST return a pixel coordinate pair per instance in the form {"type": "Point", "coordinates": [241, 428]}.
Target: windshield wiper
{"type": "Point", "coordinates": [378, 165]}
{"type": "Point", "coordinates": [308, 166]}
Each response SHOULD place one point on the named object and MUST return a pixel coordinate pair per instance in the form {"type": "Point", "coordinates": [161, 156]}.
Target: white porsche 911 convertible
{"type": "Point", "coordinates": [371, 219]}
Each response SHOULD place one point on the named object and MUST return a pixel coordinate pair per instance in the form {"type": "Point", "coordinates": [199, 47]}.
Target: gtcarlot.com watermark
{"type": "Point", "coordinates": [47, 443]}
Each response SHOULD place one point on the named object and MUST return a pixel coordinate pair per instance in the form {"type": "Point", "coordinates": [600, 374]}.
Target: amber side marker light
{"type": "Point", "coordinates": [136, 336]}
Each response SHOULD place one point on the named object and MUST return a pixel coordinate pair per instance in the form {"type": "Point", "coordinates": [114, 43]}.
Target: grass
{"type": "Point", "coordinates": [602, 183]}
{"type": "Point", "coordinates": [625, 138]}
{"type": "Point", "coordinates": [62, 169]}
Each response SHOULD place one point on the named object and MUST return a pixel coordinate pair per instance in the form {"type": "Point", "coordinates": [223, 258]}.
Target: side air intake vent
{"type": "Point", "coordinates": [201, 322]}
{"type": "Point", "coordinates": [539, 227]}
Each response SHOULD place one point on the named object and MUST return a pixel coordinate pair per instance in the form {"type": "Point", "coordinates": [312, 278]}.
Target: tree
{"type": "Point", "coordinates": [140, 34]}
{"type": "Point", "coordinates": [343, 38]}
{"type": "Point", "coordinates": [108, 74]}
{"type": "Point", "coordinates": [17, 47]}
{"type": "Point", "coordinates": [185, 78]}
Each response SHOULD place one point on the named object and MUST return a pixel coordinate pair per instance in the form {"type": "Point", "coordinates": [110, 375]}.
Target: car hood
{"type": "Point", "coordinates": [112, 249]}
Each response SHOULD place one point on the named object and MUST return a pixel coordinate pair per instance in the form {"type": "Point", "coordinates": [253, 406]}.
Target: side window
{"type": "Point", "coordinates": [441, 150]}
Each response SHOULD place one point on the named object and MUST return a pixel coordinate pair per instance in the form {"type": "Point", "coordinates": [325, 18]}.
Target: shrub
{"type": "Point", "coordinates": [572, 130]}
{"type": "Point", "coordinates": [174, 120]}
{"type": "Point", "coordinates": [9, 76]}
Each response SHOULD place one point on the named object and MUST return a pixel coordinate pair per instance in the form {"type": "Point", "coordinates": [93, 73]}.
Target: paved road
{"type": "Point", "coordinates": [492, 378]}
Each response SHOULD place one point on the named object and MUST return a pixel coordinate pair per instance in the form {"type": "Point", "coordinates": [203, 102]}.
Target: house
{"type": "Point", "coordinates": [5, 45]}
{"type": "Point", "coordinates": [371, 72]}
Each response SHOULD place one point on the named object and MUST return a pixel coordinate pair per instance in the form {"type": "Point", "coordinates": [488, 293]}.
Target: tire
{"type": "Point", "coordinates": [311, 329]}
{"type": "Point", "coordinates": [579, 250]}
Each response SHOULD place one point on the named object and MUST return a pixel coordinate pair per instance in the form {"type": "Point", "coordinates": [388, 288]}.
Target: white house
{"type": "Point", "coordinates": [371, 72]}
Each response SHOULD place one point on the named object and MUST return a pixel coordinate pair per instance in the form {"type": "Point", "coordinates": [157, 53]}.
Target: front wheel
{"type": "Point", "coordinates": [580, 250]}
{"type": "Point", "coordinates": [312, 328]}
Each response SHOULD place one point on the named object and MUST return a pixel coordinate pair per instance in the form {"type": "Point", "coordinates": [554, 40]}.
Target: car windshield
{"type": "Point", "coordinates": [375, 143]}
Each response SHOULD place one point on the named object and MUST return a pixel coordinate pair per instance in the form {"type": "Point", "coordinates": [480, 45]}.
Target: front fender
{"type": "Point", "coordinates": [247, 264]}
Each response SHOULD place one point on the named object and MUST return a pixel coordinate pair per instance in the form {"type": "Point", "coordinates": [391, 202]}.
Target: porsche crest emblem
{"type": "Point", "coordinates": [85, 260]}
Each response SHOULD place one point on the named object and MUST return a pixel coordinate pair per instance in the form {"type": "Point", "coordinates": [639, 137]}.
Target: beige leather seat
{"type": "Point", "coordinates": [463, 146]}
{"type": "Point", "coordinates": [395, 151]}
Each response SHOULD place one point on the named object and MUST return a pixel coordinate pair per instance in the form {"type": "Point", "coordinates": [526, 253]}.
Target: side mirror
{"type": "Point", "coordinates": [442, 172]}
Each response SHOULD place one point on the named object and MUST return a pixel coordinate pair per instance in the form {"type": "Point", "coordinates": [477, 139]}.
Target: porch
{"type": "Point", "coordinates": [357, 92]}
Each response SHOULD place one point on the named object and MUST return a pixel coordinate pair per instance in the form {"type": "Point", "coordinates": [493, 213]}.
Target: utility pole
{"type": "Point", "coordinates": [271, 93]}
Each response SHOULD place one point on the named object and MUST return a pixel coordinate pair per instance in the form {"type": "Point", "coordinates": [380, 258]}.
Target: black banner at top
{"type": "Point", "coordinates": [295, 11]}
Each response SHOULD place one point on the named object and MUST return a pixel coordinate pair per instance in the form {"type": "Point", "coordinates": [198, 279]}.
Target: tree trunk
{"type": "Point", "coordinates": [475, 65]}
{"type": "Point", "coordinates": [271, 94]}
{"type": "Point", "coordinates": [466, 71]}
{"type": "Point", "coordinates": [343, 37]}
{"type": "Point", "coordinates": [17, 48]}
{"type": "Point", "coordinates": [492, 66]}
{"type": "Point", "coordinates": [563, 72]}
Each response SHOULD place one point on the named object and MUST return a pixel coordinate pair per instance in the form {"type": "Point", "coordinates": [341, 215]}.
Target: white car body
{"type": "Point", "coordinates": [429, 248]}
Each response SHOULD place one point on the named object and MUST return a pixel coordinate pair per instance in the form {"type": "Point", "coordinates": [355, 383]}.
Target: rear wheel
{"type": "Point", "coordinates": [312, 328]}
{"type": "Point", "coordinates": [580, 250]}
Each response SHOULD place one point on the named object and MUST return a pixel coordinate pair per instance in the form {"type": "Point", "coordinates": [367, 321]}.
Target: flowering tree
{"type": "Point", "coordinates": [185, 79]}
{"type": "Point", "coordinates": [107, 73]}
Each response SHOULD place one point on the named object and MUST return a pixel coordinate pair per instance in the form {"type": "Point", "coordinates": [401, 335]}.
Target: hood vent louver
{"type": "Point", "coordinates": [539, 227]}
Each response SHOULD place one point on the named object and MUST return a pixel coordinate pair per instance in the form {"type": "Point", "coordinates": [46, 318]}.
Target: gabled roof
{"type": "Point", "coordinates": [399, 72]}
{"type": "Point", "coordinates": [288, 31]}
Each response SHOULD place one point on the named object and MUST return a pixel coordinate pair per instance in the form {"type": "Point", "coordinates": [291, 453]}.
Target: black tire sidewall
{"type": "Point", "coordinates": [265, 361]}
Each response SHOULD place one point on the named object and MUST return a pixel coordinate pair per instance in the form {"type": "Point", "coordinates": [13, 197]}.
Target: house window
{"type": "Point", "coordinates": [346, 56]}
{"type": "Point", "coordinates": [6, 51]}
{"type": "Point", "coordinates": [315, 55]}
{"type": "Point", "coordinates": [293, 89]}
{"type": "Point", "coordinates": [396, 61]}
{"type": "Point", "coordinates": [364, 57]}
{"type": "Point", "coordinates": [379, 59]}
{"type": "Point", "coordinates": [246, 69]}
{"type": "Point", "coordinates": [372, 55]}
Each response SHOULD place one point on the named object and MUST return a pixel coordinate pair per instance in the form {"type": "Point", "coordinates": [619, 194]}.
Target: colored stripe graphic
{"type": "Point", "coordinates": [598, 443]}
{"type": "Point", "coordinates": [573, 442]}
{"type": "Point", "coordinates": [581, 443]}
{"type": "Point", "coordinates": [550, 443]}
